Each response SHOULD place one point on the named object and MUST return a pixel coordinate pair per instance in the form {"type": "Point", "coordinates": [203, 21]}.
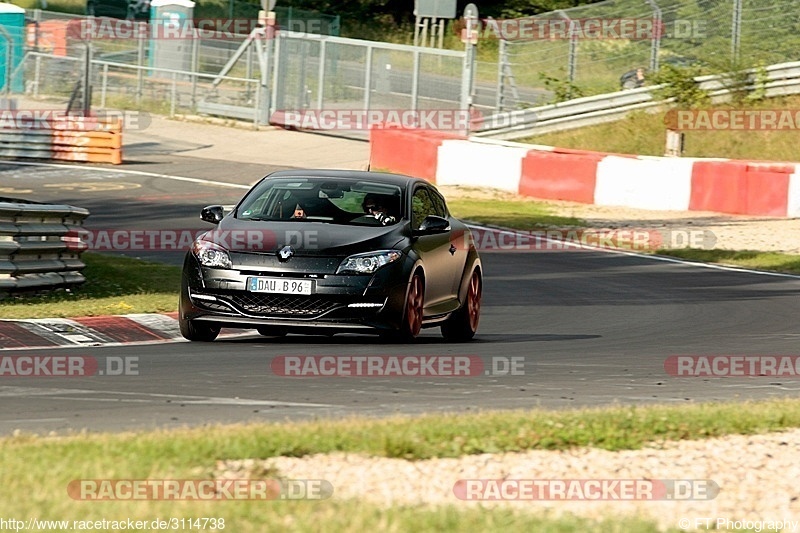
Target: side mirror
{"type": "Point", "coordinates": [212, 213]}
{"type": "Point", "coordinates": [433, 224]}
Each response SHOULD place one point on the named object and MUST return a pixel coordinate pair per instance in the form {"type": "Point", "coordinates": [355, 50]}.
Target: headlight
{"type": "Point", "coordinates": [211, 255]}
{"type": "Point", "coordinates": [367, 263]}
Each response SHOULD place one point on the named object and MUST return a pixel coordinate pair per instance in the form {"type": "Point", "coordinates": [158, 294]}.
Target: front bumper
{"type": "Point", "coordinates": [338, 301]}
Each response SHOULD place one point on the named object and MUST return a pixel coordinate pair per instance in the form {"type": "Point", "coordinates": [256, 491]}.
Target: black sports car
{"type": "Point", "coordinates": [329, 251]}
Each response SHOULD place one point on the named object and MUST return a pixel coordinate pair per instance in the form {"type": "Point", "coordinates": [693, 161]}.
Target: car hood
{"type": "Point", "coordinates": [305, 238]}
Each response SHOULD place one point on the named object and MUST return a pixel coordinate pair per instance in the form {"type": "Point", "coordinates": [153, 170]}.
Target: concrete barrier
{"type": "Point", "coordinates": [412, 152]}
{"type": "Point", "coordinates": [75, 139]}
{"type": "Point", "coordinates": [659, 183]}
{"type": "Point", "coordinates": [560, 176]}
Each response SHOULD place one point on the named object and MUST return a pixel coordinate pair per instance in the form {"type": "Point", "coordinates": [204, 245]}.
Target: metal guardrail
{"type": "Point", "coordinates": [782, 79]}
{"type": "Point", "coordinates": [36, 250]}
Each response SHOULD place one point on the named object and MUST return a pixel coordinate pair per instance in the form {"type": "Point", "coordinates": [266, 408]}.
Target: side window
{"type": "Point", "coordinates": [438, 204]}
{"type": "Point", "coordinates": [421, 206]}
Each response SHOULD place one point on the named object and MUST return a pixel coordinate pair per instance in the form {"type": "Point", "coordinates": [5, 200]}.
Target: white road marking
{"type": "Point", "coordinates": [645, 256]}
{"type": "Point", "coordinates": [132, 173]}
{"type": "Point", "coordinates": [69, 394]}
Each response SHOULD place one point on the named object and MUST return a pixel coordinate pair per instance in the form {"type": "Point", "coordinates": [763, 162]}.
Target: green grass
{"type": "Point", "coordinates": [774, 261]}
{"type": "Point", "coordinates": [510, 213]}
{"type": "Point", "coordinates": [114, 285]}
{"type": "Point", "coordinates": [645, 134]}
{"type": "Point", "coordinates": [77, 7]}
{"type": "Point", "coordinates": [41, 467]}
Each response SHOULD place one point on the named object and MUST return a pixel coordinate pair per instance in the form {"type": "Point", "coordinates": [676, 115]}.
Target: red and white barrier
{"type": "Point", "coordinates": [644, 182]}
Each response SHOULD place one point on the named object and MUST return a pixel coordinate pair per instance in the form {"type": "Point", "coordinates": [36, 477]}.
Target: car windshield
{"type": "Point", "coordinates": [327, 200]}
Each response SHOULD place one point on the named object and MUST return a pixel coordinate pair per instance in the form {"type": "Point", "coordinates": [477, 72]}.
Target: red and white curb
{"type": "Point", "coordinates": [90, 331]}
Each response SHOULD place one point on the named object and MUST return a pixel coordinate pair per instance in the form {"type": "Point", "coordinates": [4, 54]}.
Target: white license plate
{"type": "Point", "coordinates": [280, 285]}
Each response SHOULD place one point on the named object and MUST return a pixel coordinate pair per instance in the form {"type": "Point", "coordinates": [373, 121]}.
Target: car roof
{"type": "Point", "coordinates": [383, 177]}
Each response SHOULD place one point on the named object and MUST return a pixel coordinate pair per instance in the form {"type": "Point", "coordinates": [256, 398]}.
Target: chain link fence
{"type": "Point", "coordinates": [202, 72]}
{"type": "Point", "coordinates": [714, 36]}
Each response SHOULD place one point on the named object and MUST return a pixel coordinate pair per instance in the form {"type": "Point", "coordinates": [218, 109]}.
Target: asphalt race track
{"type": "Point", "coordinates": [587, 328]}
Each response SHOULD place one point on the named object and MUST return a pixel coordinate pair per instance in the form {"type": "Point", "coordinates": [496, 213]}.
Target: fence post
{"type": "Point", "coordinates": [502, 57]}
{"type": "Point", "coordinates": [301, 82]}
{"type": "Point", "coordinates": [321, 74]}
{"type": "Point", "coordinates": [174, 94]}
{"type": "Point", "coordinates": [655, 43]}
{"type": "Point", "coordinates": [368, 79]}
{"type": "Point", "coordinates": [276, 73]}
{"type": "Point", "coordinates": [467, 77]}
{"type": "Point", "coordinates": [573, 47]}
{"type": "Point", "coordinates": [195, 67]}
{"type": "Point", "coordinates": [36, 75]}
{"type": "Point", "coordinates": [415, 81]}
{"type": "Point", "coordinates": [736, 30]}
{"type": "Point", "coordinates": [87, 80]}
{"type": "Point", "coordinates": [104, 87]}
{"type": "Point", "coordinates": [140, 64]}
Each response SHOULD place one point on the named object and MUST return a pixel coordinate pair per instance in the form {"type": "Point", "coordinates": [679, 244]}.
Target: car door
{"type": "Point", "coordinates": [459, 248]}
{"type": "Point", "coordinates": [433, 249]}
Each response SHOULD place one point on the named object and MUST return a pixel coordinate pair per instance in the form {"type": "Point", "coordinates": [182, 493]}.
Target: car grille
{"type": "Point", "coordinates": [280, 305]}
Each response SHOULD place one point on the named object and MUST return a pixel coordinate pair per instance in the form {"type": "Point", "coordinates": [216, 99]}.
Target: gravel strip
{"type": "Point", "coordinates": [732, 232]}
{"type": "Point", "coordinates": [757, 476]}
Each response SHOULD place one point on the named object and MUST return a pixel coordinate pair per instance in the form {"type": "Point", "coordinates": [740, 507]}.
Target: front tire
{"type": "Point", "coordinates": [463, 324]}
{"type": "Point", "coordinates": [412, 315]}
{"type": "Point", "coordinates": [192, 330]}
{"type": "Point", "coordinates": [197, 332]}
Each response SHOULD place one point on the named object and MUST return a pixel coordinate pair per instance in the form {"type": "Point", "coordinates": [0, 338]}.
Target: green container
{"type": "Point", "coordinates": [12, 43]}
